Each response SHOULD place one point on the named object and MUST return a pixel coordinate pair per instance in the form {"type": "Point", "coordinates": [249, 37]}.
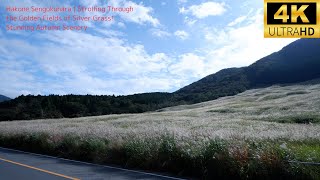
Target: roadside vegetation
{"type": "Point", "coordinates": [258, 134]}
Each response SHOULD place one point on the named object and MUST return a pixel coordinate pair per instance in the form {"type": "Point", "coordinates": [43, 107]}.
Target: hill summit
{"type": "Point", "coordinates": [297, 62]}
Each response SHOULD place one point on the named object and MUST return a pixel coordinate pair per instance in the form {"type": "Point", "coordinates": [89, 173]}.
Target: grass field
{"type": "Point", "coordinates": [250, 135]}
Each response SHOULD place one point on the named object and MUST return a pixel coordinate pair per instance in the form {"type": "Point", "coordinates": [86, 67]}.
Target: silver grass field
{"type": "Point", "coordinates": [270, 125]}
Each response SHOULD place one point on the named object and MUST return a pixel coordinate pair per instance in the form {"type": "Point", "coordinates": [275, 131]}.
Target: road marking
{"type": "Point", "coordinates": [92, 164]}
{"type": "Point", "coordinates": [38, 169]}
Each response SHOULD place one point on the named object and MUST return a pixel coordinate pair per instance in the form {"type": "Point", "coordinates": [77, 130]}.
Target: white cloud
{"type": "Point", "coordinates": [189, 21]}
{"type": "Point", "coordinates": [237, 21]}
{"type": "Point", "coordinates": [110, 33]}
{"type": "Point", "coordinates": [181, 34]}
{"type": "Point", "coordinates": [89, 3]}
{"type": "Point", "coordinates": [160, 33]}
{"type": "Point", "coordinates": [182, 1]}
{"type": "Point", "coordinates": [15, 79]}
{"type": "Point", "coordinates": [141, 14]}
{"type": "Point", "coordinates": [121, 25]}
{"type": "Point", "coordinates": [112, 53]}
{"type": "Point", "coordinates": [205, 9]}
{"type": "Point", "coordinates": [189, 65]}
{"type": "Point", "coordinates": [79, 63]}
{"type": "Point", "coordinates": [241, 46]}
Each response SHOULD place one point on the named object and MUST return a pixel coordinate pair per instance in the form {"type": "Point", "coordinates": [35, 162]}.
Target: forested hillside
{"type": "Point", "coordinates": [54, 106]}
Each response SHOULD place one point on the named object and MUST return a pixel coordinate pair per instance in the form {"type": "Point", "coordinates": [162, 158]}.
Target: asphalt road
{"type": "Point", "coordinates": [20, 165]}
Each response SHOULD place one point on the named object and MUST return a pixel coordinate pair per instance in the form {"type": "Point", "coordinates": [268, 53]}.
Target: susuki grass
{"type": "Point", "coordinates": [247, 136]}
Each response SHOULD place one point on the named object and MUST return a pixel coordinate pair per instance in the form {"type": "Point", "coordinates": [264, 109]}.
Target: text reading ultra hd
{"type": "Point", "coordinates": [291, 18]}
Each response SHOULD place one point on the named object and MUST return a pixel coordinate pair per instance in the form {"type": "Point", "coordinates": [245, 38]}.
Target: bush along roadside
{"type": "Point", "coordinates": [218, 158]}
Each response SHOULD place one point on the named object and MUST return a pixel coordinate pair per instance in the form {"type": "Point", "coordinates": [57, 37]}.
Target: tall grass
{"type": "Point", "coordinates": [217, 159]}
{"type": "Point", "coordinates": [248, 136]}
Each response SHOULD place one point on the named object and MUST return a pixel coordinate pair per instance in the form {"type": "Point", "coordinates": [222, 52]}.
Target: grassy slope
{"type": "Point", "coordinates": [249, 135]}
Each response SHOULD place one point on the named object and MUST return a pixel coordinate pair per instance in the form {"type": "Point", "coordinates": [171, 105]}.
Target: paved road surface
{"type": "Point", "coordinates": [16, 165]}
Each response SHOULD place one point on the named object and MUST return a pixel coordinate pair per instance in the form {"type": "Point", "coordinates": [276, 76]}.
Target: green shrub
{"type": "Point", "coordinates": [297, 93]}
{"type": "Point", "coordinates": [300, 119]}
{"type": "Point", "coordinates": [222, 111]}
{"type": "Point", "coordinates": [90, 149]}
{"type": "Point", "coordinates": [141, 153]}
{"type": "Point", "coordinates": [36, 142]}
{"type": "Point", "coordinates": [305, 118]}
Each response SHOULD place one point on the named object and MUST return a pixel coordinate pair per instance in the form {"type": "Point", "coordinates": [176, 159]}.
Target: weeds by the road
{"type": "Point", "coordinates": [217, 159]}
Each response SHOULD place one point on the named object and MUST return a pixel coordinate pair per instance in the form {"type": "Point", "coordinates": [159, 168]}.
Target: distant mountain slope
{"type": "Point", "coordinates": [224, 83]}
{"type": "Point", "coordinates": [297, 62]}
{"type": "Point", "coordinates": [3, 98]}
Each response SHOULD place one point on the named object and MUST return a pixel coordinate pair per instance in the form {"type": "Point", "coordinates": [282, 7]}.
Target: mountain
{"type": "Point", "coordinates": [4, 98]}
{"type": "Point", "coordinates": [223, 83]}
{"type": "Point", "coordinates": [297, 62]}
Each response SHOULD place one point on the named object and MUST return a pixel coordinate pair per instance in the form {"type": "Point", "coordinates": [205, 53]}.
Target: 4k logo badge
{"type": "Point", "coordinates": [291, 19]}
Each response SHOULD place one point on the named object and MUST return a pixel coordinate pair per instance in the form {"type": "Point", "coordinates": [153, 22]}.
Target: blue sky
{"type": "Point", "coordinates": [162, 46]}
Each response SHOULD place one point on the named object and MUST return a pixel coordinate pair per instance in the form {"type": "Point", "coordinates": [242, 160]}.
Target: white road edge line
{"type": "Point", "coordinates": [92, 164]}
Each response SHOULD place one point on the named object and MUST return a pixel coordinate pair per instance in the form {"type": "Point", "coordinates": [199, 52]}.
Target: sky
{"type": "Point", "coordinates": [161, 46]}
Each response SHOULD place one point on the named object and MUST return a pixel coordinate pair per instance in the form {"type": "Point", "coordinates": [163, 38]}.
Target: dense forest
{"type": "Point", "coordinates": [55, 106]}
{"type": "Point", "coordinates": [297, 62]}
